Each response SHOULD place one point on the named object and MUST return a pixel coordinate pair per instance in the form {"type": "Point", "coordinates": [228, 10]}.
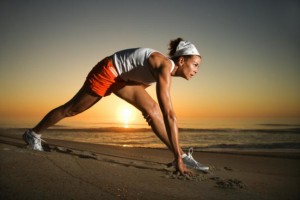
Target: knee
{"type": "Point", "coordinates": [152, 113]}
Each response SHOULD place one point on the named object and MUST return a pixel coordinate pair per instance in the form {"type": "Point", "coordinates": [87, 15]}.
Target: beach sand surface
{"type": "Point", "coordinates": [73, 170]}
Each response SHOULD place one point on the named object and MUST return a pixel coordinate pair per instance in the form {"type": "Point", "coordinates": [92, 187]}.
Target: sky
{"type": "Point", "coordinates": [250, 50]}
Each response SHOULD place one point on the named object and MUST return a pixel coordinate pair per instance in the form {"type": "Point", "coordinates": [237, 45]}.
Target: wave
{"type": "Point", "coordinates": [190, 130]}
{"type": "Point", "coordinates": [280, 125]}
{"type": "Point", "coordinates": [106, 129]}
{"type": "Point", "coordinates": [233, 130]}
{"type": "Point", "coordinates": [284, 145]}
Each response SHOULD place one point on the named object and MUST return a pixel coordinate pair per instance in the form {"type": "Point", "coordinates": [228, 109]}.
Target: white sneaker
{"type": "Point", "coordinates": [33, 140]}
{"type": "Point", "coordinates": [189, 161]}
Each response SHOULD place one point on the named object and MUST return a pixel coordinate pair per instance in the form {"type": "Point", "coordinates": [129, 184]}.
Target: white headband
{"type": "Point", "coordinates": [186, 48]}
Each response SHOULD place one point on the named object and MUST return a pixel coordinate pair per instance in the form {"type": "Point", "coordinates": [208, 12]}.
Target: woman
{"type": "Point", "coordinates": [126, 74]}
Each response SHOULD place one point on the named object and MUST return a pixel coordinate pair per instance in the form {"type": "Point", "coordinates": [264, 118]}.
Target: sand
{"type": "Point", "coordinates": [72, 170]}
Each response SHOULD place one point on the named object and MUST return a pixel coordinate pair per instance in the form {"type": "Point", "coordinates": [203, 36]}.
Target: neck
{"type": "Point", "coordinates": [173, 73]}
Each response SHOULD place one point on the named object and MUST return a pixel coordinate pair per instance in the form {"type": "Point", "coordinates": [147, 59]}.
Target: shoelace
{"type": "Point", "coordinates": [37, 140]}
{"type": "Point", "coordinates": [38, 143]}
{"type": "Point", "coordinates": [190, 157]}
{"type": "Point", "coordinates": [191, 150]}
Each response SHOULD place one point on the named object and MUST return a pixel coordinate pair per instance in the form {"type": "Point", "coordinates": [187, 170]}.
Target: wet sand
{"type": "Point", "coordinates": [72, 170]}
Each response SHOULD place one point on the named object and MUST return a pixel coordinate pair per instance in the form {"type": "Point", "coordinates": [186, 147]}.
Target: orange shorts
{"type": "Point", "coordinates": [103, 79]}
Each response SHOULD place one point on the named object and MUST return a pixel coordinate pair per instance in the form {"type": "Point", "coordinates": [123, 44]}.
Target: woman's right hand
{"type": "Point", "coordinates": [181, 168]}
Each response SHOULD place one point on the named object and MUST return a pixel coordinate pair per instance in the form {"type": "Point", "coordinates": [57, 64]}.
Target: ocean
{"type": "Point", "coordinates": [272, 135]}
{"type": "Point", "coordinates": [202, 135]}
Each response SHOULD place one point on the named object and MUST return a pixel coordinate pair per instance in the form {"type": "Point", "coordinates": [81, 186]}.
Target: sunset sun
{"type": "Point", "coordinates": [125, 116]}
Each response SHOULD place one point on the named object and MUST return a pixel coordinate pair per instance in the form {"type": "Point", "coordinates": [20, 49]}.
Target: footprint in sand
{"type": "Point", "coordinates": [62, 150]}
{"type": "Point", "coordinates": [230, 184]}
{"type": "Point", "coordinates": [197, 177]}
{"type": "Point", "coordinates": [228, 168]}
{"type": "Point", "coordinates": [86, 154]}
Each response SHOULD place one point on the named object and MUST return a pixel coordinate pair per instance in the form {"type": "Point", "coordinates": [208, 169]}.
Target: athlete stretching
{"type": "Point", "coordinates": [126, 74]}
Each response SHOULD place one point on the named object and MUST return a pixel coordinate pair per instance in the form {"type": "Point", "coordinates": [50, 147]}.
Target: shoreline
{"type": "Point", "coordinates": [282, 146]}
{"type": "Point", "coordinates": [286, 153]}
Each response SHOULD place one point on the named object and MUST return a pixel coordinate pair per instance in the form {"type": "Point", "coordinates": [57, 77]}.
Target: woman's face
{"type": "Point", "coordinates": [189, 66]}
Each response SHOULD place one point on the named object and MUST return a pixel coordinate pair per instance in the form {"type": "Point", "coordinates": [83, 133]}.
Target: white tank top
{"type": "Point", "coordinates": [133, 65]}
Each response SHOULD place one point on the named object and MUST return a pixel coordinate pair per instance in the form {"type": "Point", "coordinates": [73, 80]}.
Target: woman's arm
{"type": "Point", "coordinates": [163, 67]}
{"type": "Point", "coordinates": [163, 87]}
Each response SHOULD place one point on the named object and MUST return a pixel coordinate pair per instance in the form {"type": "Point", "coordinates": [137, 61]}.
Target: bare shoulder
{"type": "Point", "coordinates": [159, 61]}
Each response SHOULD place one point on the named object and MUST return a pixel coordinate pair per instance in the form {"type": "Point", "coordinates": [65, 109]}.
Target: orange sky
{"type": "Point", "coordinates": [250, 65]}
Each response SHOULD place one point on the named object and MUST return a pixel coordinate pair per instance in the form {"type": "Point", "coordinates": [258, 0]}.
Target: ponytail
{"type": "Point", "coordinates": [173, 45]}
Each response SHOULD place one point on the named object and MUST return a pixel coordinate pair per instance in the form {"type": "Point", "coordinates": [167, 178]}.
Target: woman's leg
{"type": "Point", "coordinates": [138, 97]}
{"type": "Point", "coordinates": [83, 100]}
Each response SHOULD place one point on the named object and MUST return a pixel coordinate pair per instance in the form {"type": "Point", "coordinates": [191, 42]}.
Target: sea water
{"type": "Point", "coordinates": [203, 135]}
